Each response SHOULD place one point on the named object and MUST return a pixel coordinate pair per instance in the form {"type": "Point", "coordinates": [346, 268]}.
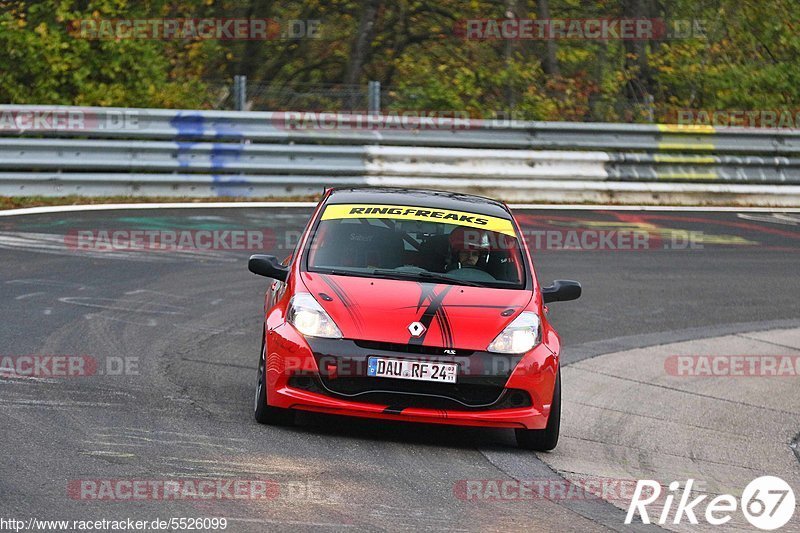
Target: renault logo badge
{"type": "Point", "coordinates": [416, 329]}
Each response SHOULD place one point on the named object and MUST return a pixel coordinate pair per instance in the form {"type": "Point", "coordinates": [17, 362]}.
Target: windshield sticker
{"type": "Point", "coordinates": [424, 214]}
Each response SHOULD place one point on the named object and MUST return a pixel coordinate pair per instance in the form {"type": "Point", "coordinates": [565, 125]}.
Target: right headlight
{"type": "Point", "coordinates": [310, 319]}
{"type": "Point", "coordinates": [520, 336]}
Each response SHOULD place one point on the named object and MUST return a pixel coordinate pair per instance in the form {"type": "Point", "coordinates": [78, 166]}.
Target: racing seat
{"type": "Point", "coordinates": [500, 266]}
{"type": "Point", "coordinates": [434, 253]}
{"type": "Point", "coordinates": [503, 262]}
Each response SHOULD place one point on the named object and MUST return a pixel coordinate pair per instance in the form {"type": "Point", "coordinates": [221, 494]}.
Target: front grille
{"type": "Point", "coordinates": [464, 393]}
{"type": "Point", "coordinates": [410, 348]}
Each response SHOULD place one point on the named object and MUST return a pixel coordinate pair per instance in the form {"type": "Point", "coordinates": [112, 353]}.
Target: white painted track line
{"type": "Point", "coordinates": [174, 205]}
{"type": "Point", "coordinates": [306, 205]}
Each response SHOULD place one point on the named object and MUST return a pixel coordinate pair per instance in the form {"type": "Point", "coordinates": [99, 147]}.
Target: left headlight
{"type": "Point", "coordinates": [310, 319]}
{"type": "Point", "coordinates": [520, 336]}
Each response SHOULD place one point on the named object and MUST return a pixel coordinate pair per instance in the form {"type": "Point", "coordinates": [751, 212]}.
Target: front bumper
{"type": "Point", "coordinates": [329, 376]}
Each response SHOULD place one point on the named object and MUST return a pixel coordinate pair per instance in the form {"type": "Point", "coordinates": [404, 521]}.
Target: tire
{"type": "Point", "coordinates": [544, 440]}
{"type": "Point", "coordinates": [262, 411]}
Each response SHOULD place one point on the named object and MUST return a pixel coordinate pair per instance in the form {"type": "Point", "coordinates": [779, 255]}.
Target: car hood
{"type": "Point", "coordinates": [454, 316]}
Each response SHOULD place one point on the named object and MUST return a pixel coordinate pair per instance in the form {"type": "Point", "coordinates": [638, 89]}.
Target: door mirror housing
{"type": "Point", "coordinates": [561, 290]}
{"type": "Point", "coordinates": [267, 266]}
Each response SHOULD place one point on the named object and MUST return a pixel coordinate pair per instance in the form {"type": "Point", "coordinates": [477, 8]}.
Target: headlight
{"type": "Point", "coordinates": [520, 336]}
{"type": "Point", "coordinates": [310, 318]}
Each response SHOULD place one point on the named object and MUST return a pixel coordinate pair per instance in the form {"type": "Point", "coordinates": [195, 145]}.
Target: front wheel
{"type": "Point", "coordinates": [263, 412]}
{"type": "Point", "coordinates": [544, 440]}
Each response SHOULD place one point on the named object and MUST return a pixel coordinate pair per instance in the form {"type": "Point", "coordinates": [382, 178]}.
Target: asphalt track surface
{"type": "Point", "coordinates": [188, 324]}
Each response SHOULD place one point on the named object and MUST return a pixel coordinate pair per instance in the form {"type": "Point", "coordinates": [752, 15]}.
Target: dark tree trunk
{"type": "Point", "coordinates": [251, 51]}
{"type": "Point", "coordinates": [636, 49]}
{"type": "Point", "coordinates": [508, 53]}
{"type": "Point", "coordinates": [549, 61]}
{"type": "Point", "coordinates": [361, 45]}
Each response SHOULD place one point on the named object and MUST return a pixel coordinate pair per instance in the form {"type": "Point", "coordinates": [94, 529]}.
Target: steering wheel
{"type": "Point", "coordinates": [470, 273]}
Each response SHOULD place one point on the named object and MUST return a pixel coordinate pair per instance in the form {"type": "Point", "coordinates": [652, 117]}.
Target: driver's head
{"type": "Point", "coordinates": [468, 245]}
{"type": "Point", "coordinates": [469, 257]}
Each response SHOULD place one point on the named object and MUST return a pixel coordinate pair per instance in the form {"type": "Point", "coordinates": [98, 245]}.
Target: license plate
{"type": "Point", "coordinates": [381, 367]}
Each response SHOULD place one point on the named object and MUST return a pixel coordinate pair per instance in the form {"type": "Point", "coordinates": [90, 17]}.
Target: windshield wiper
{"type": "Point", "coordinates": [425, 275]}
{"type": "Point", "coordinates": [337, 272]}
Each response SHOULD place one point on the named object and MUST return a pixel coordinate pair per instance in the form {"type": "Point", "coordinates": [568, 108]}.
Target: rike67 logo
{"type": "Point", "coordinates": [767, 502]}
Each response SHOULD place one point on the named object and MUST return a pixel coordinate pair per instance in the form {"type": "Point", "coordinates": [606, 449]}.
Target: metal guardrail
{"type": "Point", "coordinates": [163, 156]}
{"type": "Point", "coordinates": [60, 150]}
{"type": "Point", "coordinates": [284, 127]}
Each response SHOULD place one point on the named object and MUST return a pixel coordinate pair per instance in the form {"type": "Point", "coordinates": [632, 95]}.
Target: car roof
{"type": "Point", "coordinates": [419, 197]}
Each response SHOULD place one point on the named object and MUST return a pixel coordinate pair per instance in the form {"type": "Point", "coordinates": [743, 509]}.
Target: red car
{"type": "Point", "coordinates": [412, 305]}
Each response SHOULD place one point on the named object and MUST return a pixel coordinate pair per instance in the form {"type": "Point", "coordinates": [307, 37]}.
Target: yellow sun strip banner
{"type": "Point", "coordinates": [423, 214]}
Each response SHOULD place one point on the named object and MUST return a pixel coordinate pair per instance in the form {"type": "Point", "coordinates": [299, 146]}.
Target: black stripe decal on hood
{"type": "Point", "coordinates": [426, 293]}
{"type": "Point", "coordinates": [444, 325]}
{"type": "Point", "coordinates": [351, 308]}
{"type": "Point", "coordinates": [435, 303]}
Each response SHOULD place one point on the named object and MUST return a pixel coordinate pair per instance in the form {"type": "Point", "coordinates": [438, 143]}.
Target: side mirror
{"type": "Point", "coordinates": [267, 266]}
{"type": "Point", "coordinates": [561, 290]}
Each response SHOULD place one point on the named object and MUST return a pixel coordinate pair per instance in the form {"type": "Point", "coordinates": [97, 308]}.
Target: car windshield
{"type": "Point", "coordinates": [421, 243]}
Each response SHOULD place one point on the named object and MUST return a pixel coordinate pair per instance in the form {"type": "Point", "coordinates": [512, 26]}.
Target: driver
{"type": "Point", "coordinates": [468, 248]}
